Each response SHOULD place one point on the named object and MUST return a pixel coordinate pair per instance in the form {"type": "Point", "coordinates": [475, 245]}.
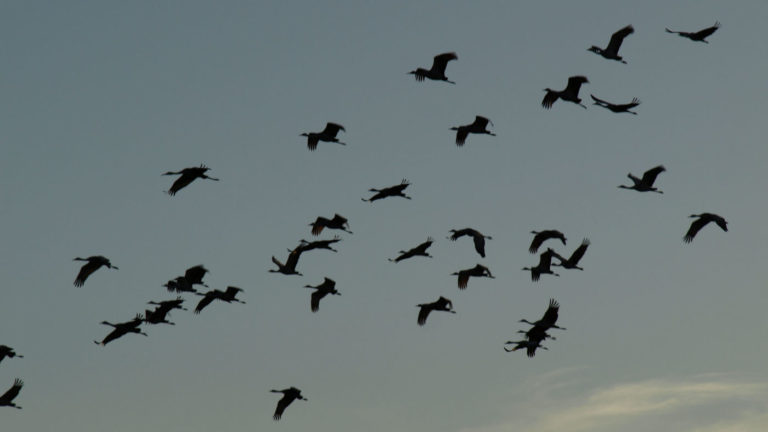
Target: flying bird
{"type": "Point", "coordinates": [477, 237]}
{"type": "Point", "coordinates": [420, 250]}
{"type": "Point", "coordinates": [702, 220]}
{"type": "Point", "coordinates": [187, 176]}
{"type": "Point", "coordinates": [305, 246]}
{"type": "Point", "coordinates": [168, 305]}
{"type": "Point", "coordinates": [180, 284]}
{"type": "Point", "coordinates": [645, 184]}
{"type": "Point", "coordinates": [549, 318]}
{"type": "Point", "coordinates": [617, 108]}
{"type": "Point", "coordinates": [327, 287]}
{"type": "Point", "coordinates": [122, 329]}
{"type": "Point", "coordinates": [225, 296]}
{"type": "Point", "coordinates": [530, 346]}
{"type": "Point", "coordinates": [338, 222]}
{"type": "Point", "coordinates": [569, 94]}
{"type": "Point", "coordinates": [573, 261]}
{"type": "Point", "coordinates": [544, 266]}
{"type": "Point", "coordinates": [437, 72]}
{"type": "Point", "coordinates": [542, 236]}
{"type": "Point", "coordinates": [476, 271]}
{"type": "Point", "coordinates": [327, 135]}
{"type": "Point", "coordinates": [392, 191]}
{"type": "Point", "coordinates": [7, 398]}
{"type": "Point", "coordinates": [289, 268]}
{"type": "Point", "coordinates": [289, 395]}
{"type": "Point", "coordinates": [6, 351]}
{"type": "Point", "coordinates": [698, 36]}
{"type": "Point", "coordinates": [442, 304]}
{"type": "Point", "coordinates": [477, 127]}
{"type": "Point", "coordinates": [94, 263]}
{"type": "Point", "coordinates": [194, 275]}
{"type": "Point", "coordinates": [157, 316]}
{"type": "Point", "coordinates": [611, 52]}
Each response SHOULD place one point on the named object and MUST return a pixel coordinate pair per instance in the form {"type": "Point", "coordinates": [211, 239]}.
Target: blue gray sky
{"type": "Point", "coordinates": [101, 97]}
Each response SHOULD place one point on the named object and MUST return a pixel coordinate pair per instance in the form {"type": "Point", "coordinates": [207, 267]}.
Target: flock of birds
{"type": "Point", "coordinates": [534, 336]}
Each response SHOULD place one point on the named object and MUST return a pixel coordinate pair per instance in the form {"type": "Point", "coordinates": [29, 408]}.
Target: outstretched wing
{"type": "Point", "coordinates": [550, 98]}
{"type": "Point", "coordinates": [579, 252]}
{"type": "Point", "coordinates": [181, 183]}
{"type": "Point", "coordinates": [701, 34]}
{"type": "Point", "coordinates": [463, 279]}
{"type": "Point", "coordinates": [461, 136]}
{"type": "Point", "coordinates": [316, 297]}
{"type": "Point", "coordinates": [331, 129]}
{"type": "Point", "coordinates": [282, 404]}
{"type": "Point", "coordinates": [86, 270]}
{"type": "Point", "coordinates": [551, 315]}
{"type": "Point", "coordinates": [479, 240]}
{"type": "Point", "coordinates": [617, 38]}
{"type": "Point", "coordinates": [423, 314]}
{"type": "Point", "coordinates": [12, 392]}
{"type": "Point", "coordinates": [598, 100]}
{"type": "Point", "coordinates": [440, 61]}
{"type": "Point", "coordinates": [574, 84]}
{"type": "Point", "coordinates": [650, 176]}
{"type": "Point", "coordinates": [205, 301]}
{"type": "Point", "coordinates": [696, 226]}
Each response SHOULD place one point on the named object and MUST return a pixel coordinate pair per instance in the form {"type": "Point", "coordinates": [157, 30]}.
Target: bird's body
{"type": "Point", "coordinates": [226, 296]}
{"type": "Point", "coordinates": [157, 316]}
{"type": "Point", "coordinates": [530, 346]}
{"type": "Point", "coordinates": [420, 250]}
{"type": "Point", "coordinates": [6, 351]}
{"type": "Point", "coordinates": [476, 271]}
{"type": "Point", "coordinates": [541, 236]}
{"type": "Point", "coordinates": [194, 275]}
{"type": "Point", "coordinates": [289, 395]}
{"type": "Point", "coordinates": [318, 244]}
{"type": "Point", "coordinates": [477, 127]}
{"type": "Point", "coordinates": [122, 329]}
{"type": "Point", "coordinates": [289, 268]}
{"type": "Point", "coordinates": [168, 305]}
{"type": "Point", "coordinates": [703, 219]}
{"type": "Point", "coordinates": [188, 175]}
{"type": "Point", "coordinates": [391, 191]}
{"type": "Point", "coordinates": [180, 284]}
{"type": "Point", "coordinates": [573, 261]}
{"type": "Point", "coordinates": [544, 266]}
{"type": "Point", "coordinates": [442, 304]}
{"type": "Point", "coordinates": [611, 52]}
{"type": "Point", "coordinates": [699, 36]}
{"type": "Point", "coordinates": [326, 135]}
{"type": "Point", "coordinates": [337, 222]}
{"type": "Point", "coordinates": [94, 263]}
{"type": "Point", "coordinates": [477, 237]}
{"type": "Point", "coordinates": [437, 72]}
{"type": "Point", "coordinates": [327, 287]}
{"type": "Point", "coordinates": [617, 108]}
{"type": "Point", "coordinates": [570, 93]}
{"type": "Point", "coordinates": [7, 398]}
{"type": "Point", "coordinates": [549, 318]}
{"type": "Point", "coordinates": [645, 184]}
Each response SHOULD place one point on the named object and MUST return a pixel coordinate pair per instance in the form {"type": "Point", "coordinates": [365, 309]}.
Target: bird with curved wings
{"type": "Point", "coordinates": [326, 135]}
{"type": "Point", "coordinates": [544, 265]}
{"type": "Point", "coordinates": [645, 184]}
{"type": "Point", "coordinates": [478, 238]}
{"type": "Point", "coordinates": [226, 296]}
{"type": "Point", "coordinates": [477, 127]}
{"type": "Point", "coordinates": [289, 395]}
{"type": "Point", "coordinates": [420, 250]}
{"type": "Point", "coordinates": [289, 268]}
{"type": "Point", "coordinates": [337, 222]}
{"type": "Point", "coordinates": [476, 271]}
{"type": "Point", "coordinates": [542, 236]}
{"type": "Point", "coordinates": [573, 261]}
{"type": "Point", "coordinates": [617, 108]}
{"type": "Point", "coordinates": [7, 398]}
{"type": "Point", "coordinates": [703, 220]}
{"type": "Point", "coordinates": [442, 304]}
{"type": "Point", "coordinates": [698, 36]}
{"type": "Point", "coordinates": [391, 191]}
{"type": "Point", "coordinates": [327, 287]}
{"type": "Point", "coordinates": [611, 52]}
{"type": "Point", "coordinates": [93, 263]}
{"type": "Point", "coordinates": [122, 329]}
{"type": "Point", "coordinates": [569, 94]}
{"type": "Point", "coordinates": [188, 175]}
{"type": "Point", "coordinates": [437, 71]}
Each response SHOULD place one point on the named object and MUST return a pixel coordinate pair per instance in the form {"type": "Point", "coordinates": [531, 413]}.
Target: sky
{"type": "Point", "coordinates": [99, 98]}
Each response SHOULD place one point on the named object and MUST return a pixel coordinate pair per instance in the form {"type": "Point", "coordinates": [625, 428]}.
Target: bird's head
{"type": "Point", "coordinates": [594, 49]}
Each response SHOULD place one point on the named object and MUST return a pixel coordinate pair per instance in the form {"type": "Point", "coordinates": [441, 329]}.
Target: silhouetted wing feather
{"type": "Point", "coordinates": [617, 38]}
{"type": "Point", "coordinates": [480, 122]}
{"type": "Point", "coordinates": [461, 136]}
{"type": "Point", "coordinates": [598, 100]}
{"type": "Point", "coordinates": [551, 315]}
{"type": "Point", "coordinates": [181, 183]}
{"type": "Point", "coordinates": [440, 62]}
{"type": "Point", "coordinates": [480, 244]}
{"type": "Point", "coordinates": [696, 226]}
{"type": "Point", "coordinates": [701, 34]}
{"type": "Point", "coordinates": [423, 314]}
{"type": "Point", "coordinates": [650, 176]}
{"type": "Point", "coordinates": [206, 300]}
{"type": "Point", "coordinates": [312, 141]}
{"type": "Point", "coordinates": [293, 259]}
{"type": "Point", "coordinates": [331, 129]}
{"type": "Point", "coordinates": [282, 404]}
{"type": "Point", "coordinates": [316, 297]}
{"type": "Point", "coordinates": [574, 84]}
{"type": "Point", "coordinates": [85, 271]}
{"type": "Point", "coordinates": [463, 279]}
{"type": "Point", "coordinates": [549, 99]}
{"type": "Point", "coordinates": [12, 392]}
{"type": "Point", "coordinates": [578, 253]}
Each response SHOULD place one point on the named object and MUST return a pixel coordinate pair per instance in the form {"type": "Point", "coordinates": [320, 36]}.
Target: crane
{"type": "Point", "coordinates": [305, 246]}
{"type": "Point", "coordinates": [542, 236]}
{"type": "Point", "coordinates": [392, 191]}
{"type": "Point", "coordinates": [442, 304]}
{"type": "Point", "coordinates": [544, 266]}
{"type": "Point", "coordinates": [327, 135]}
{"type": "Point", "coordinates": [420, 250]}
{"type": "Point", "coordinates": [93, 263]}
{"type": "Point", "coordinates": [617, 108]}
{"type": "Point", "coordinates": [549, 318]}
{"type": "Point", "coordinates": [573, 261]}
{"type": "Point", "coordinates": [476, 127]}
{"type": "Point", "coordinates": [645, 184]}
{"type": "Point", "coordinates": [337, 222]}
{"type": "Point", "coordinates": [122, 329]}
{"type": "Point", "coordinates": [703, 219]}
{"type": "Point", "coordinates": [477, 237]}
{"type": "Point", "coordinates": [6, 351]}
{"type": "Point", "coordinates": [700, 35]}
{"type": "Point", "coordinates": [289, 395]}
{"type": "Point", "coordinates": [157, 316]}
{"type": "Point", "coordinates": [168, 305]}
{"type": "Point", "coordinates": [7, 398]}
{"type": "Point", "coordinates": [569, 94]}
{"type": "Point", "coordinates": [327, 287]}
{"type": "Point", "coordinates": [188, 175]}
{"type": "Point", "coordinates": [437, 72]}
{"type": "Point", "coordinates": [476, 271]}
{"type": "Point", "coordinates": [289, 268]}
{"type": "Point", "coordinates": [225, 296]}
{"type": "Point", "coordinates": [611, 52]}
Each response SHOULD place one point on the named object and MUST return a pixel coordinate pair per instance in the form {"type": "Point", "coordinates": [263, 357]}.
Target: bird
{"type": "Point", "coordinates": [289, 395]}
{"type": "Point", "coordinates": [194, 275]}
{"type": "Point", "coordinates": [94, 263]}
{"type": "Point", "coordinates": [6, 351]}
{"type": "Point", "coordinates": [168, 305]}
{"type": "Point", "coordinates": [549, 318]}
{"type": "Point", "coordinates": [305, 246]}
{"type": "Point", "coordinates": [122, 329]}
{"type": "Point", "coordinates": [529, 345]}
{"type": "Point", "coordinates": [327, 287]}
{"type": "Point", "coordinates": [617, 108]}
{"type": "Point", "coordinates": [570, 93]}
{"type": "Point", "coordinates": [328, 135]}
{"type": "Point", "coordinates": [700, 35]}
{"type": "Point", "coordinates": [611, 52]}
{"type": "Point", "coordinates": [703, 219]}
{"type": "Point", "coordinates": [477, 271]}
{"type": "Point", "coordinates": [477, 237]}
{"type": "Point", "coordinates": [338, 222]}
{"type": "Point", "coordinates": [392, 191]}
{"type": "Point", "coordinates": [541, 236]}
{"type": "Point", "coordinates": [180, 284]}
{"type": "Point", "coordinates": [157, 316]}
{"type": "Point", "coordinates": [226, 296]}
{"type": "Point", "coordinates": [537, 333]}
{"type": "Point", "coordinates": [544, 266]}
{"type": "Point", "coordinates": [442, 304]}
{"type": "Point", "coordinates": [645, 184]}
{"type": "Point", "coordinates": [420, 250]}
{"type": "Point", "coordinates": [187, 176]}
{"type": "Point", "coordinates": [7, 398]}
{"type": "Point", "coordinates": [573, 261]}
{"type": "Point", "coordinates": [289, 268]}
{"type": "Point", "coordinates": [477, 127]}
{"type": "Point", "coordinates": [437, 72]}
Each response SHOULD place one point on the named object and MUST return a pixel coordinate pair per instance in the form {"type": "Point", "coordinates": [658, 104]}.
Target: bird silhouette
{"type": "Point", "coordinates": [573, 261]}
{"type": "Point", "coordinates": [168, 305]}
{"type": "Point", "coordinates": [327, 287]}
{"type": "Point", "coordinates": [157, 316]}
{"type": "Point", "coordinates": [569, 94]}
{"type": "Point", "coordinates": [122, 329]}
{"type": "Point", "coordinates": [305, 246]}
{"type": "Point", "coordinates": [179, 284]}
{"type": "Point", "coordinates": [338, 222]}
{"type": "Point", "coordinates": [530, 346]}
{"type": "Point", "coordinates": [437, 72]}
{"type": "Point", "coordinates": [289, 268]}
{"type": "Point", "coordinates": [327, 135]}
{"type": "Point", "coordinates": [392, 191]}
{"type": "Point", "coordinates": [476, 271]}
{"type": "Point", "coordinates": [698, 36]}
{"type": "Point", "coordinates": [420, 250]}
{"type": "Point", "coordinates": [187, 176]}
{"type": "Point", "coordinates": [289, 395]}
{"type": "Point", "coordinates": [477, 237]}
{"type": "Point", "coordinates": [6, 351]}
{"type": "Point", "coordinates": [94, 263]}
{"type": "Point", "coordinates": [645, 184]}
{"type": "Point", "coordinates": [611, 52]}
{"type": "Point", "coordinates": [549, 318]}
{"type": "Point", "coordinates": [544, 266]}
{"type": "Point", "coordinates": [476, 127]}
{"type": "Point", "coordinates": [617, 108]}
{"type": "Point", "coordinates": [7, 398]}
{"type": "Point", "coordinates": [703, 219]}
{"type": "Point", "coordinates": [542, 236]}
{"type": "Point", "coordinates": [442, 304]}
{"type": "Point", "coordinates": [225, 296]}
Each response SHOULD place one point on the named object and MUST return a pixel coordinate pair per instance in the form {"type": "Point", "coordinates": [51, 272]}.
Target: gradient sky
{"type": "Point", "coordinates": [101, 97]}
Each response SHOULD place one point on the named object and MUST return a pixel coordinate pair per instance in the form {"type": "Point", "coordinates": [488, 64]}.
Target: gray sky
{"type": "Point", "coordinates": [100, 98]}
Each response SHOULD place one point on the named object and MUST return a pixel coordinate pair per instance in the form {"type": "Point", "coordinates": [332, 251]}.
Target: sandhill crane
{"type": "Point", "coordinates": [442, 304]}
{"type": "Point", "coordinates": [179, 284]}
{"type": "Point", "coordinates": [549, 318]}
{"type": "Point", "coordinates": [6, 351]}
{"type": "Point", "coordinates": [187, 176]}
{"type": "Point", "coordinates": [476, 271]}
{"type": "Point", "coordinates": [573, 261]}
{"type": "Point", "coordinates": [420, 250]}
{"type": "Point", "coordinates": [617, 108]}
{"type": "Point", "coordinates": [645, 184]}
{"type": "Point", "coordinates": [570, 93]}
{"type": "Point", "coordinates": [327, 287]}
{"type": "Point", "coordinates": [544, 266]}
{"type": "Point", "coordinates": [168, 305]}
{"type": "Point", "coordinates": [537, 333]}
{"type": "Point", "coordinates": [94, 263]}
{"type": "Point", "coordinates": [392, 191]}
{"type": "Point", "coordinates": [477, 127]}
{"type": "Point", "coordinates": [437, 72]}
{"type": "Point", "coordinates": [225, 296]}
{"type": "Point", "coordinates": [477, 237]}
{"type": "Point", "coordinates": [289, 268]}
{"type": "Point", "coordinates": [122, 329]}
{"type": "Point", "coordinates": [700, 35]}
{"type": "Point", "coordinates": [194, 275]}
{"type": "Point", "coordinates": [611, 52]}
{"type": "Point", "coordinates": [157, 316]}
{"type": "Point", "coordinates": [305, 246]}
{"type": "Point", "coordinates": [542, 236]}
{"type": "Point", "coordinates": [702, 220]}
{"type": "Point", "coordinates": [7, 398]}
{"type": "Point", "coordinates": [289, 395]}
{"type": "Point", "coordinates": [338, 222]}
{"type": "Point", "coordinates": [529, 345]}
{"type": "Point", "coordinates": [327, 135]}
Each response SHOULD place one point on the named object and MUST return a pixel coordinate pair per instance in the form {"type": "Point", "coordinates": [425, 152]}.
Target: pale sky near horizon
{"type": "Point", "coordinates": [101, 97]}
